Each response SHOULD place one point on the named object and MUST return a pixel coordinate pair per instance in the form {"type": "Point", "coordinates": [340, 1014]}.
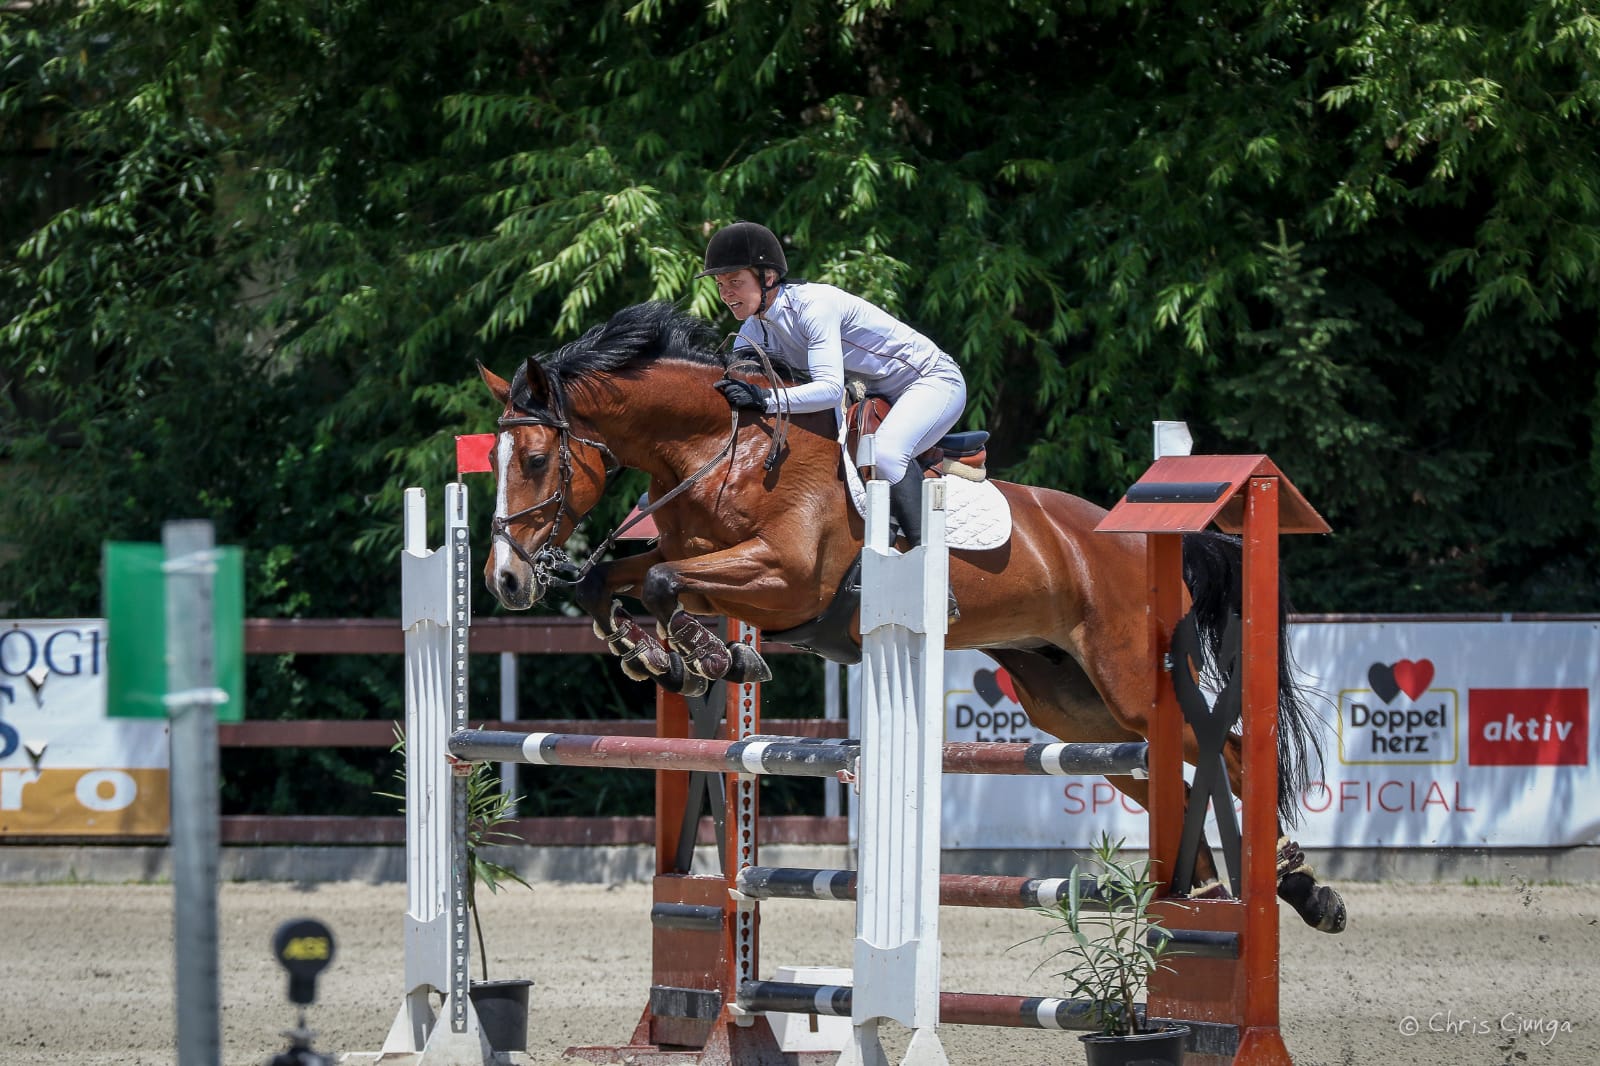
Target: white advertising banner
{"type": "Point", "coordinates": [1454, 734]}
{"type": "Point", "coordinates": [65, 768]}
{"type": "Point", "coordinates": [1435, 734]}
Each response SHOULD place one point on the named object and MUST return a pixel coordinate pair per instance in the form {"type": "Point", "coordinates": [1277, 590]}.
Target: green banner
{"type": "Point", "coordinates": [136, 630]}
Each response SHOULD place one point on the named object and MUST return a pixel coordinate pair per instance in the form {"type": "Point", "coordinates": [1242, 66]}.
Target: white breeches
{"type": "Point", "coordinates": [919, 417]}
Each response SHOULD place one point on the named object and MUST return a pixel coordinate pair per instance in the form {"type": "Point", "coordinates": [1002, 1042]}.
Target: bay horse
{"type": "Point", "coordinates": [754, 523]}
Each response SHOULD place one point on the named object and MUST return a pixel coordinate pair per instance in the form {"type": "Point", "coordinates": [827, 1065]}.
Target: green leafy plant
{"type": "Point", "coordinates": [1102, 937]}
{"type": "Point", "coordinates": [488, 807]}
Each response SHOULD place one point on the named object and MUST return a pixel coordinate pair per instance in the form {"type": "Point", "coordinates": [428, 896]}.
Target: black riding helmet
{"type": "Point", "coordinates": [742, 245]}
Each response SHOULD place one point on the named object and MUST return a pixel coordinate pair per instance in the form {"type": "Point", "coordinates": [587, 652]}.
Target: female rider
{"type": "Point", "coordinates": [831, 333]}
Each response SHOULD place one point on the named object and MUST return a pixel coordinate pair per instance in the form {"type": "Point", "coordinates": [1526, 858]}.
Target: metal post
{"type": "Point", "coordinates": [831, 711]}
{"type": "Point", "coordinates": [508, 713]}
{"type": "Point", "coordinates": [191, 700]}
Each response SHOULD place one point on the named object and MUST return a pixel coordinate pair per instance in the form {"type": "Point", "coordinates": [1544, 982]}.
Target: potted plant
{"type": "Point", "coordinates": [1102, 941]}
{"type": "Point", "coordinates": [501, 1006]}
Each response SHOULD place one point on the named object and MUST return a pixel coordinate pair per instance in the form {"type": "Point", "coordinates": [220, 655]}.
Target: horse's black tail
{"type": "Point", "coordinates": [1213, 566]}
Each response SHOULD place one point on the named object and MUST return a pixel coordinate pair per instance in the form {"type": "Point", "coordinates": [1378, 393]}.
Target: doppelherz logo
{"type": "Point", "coordinates": [1399, 718]}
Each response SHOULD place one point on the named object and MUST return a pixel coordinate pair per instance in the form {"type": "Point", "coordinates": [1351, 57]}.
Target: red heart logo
{"type": "Point", "coordinates": [1413, 677]}
{"type": "Point", "coordinates": [1008, 686]}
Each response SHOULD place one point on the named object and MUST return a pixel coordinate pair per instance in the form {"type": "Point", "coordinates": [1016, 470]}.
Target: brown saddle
{"type": "Point", "coordinates": [961, 455]}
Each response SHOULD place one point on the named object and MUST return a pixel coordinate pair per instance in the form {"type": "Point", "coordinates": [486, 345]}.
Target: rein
{"type": "Point", "coordinates": [551, 565]}
{"type": "Point", "coordinates": [782, 417]}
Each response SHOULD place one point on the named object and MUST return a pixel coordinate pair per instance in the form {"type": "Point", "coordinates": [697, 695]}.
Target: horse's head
{"type": "Point", "coordinates": [549, 472]}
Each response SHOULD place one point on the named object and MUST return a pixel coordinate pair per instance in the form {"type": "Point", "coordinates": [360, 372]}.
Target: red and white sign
{"type": "Point", "coordinates": [1528, 726]}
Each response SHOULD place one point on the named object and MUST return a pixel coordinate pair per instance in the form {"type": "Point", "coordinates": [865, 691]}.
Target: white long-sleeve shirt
{"type": "Point", "coordinates": [831, 333]}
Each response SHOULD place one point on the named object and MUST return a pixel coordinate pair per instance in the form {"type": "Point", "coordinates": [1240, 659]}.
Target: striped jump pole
{"type": "Point", "coordinates": [955, 890]}
{"type": "Point", "coordinates": [955, 1008]}
{"type": "Point", "coordinates": [988, 891]}
{"type": "Point", "coordinates": [959, 1008]}
{"type": "Point", "coordinates": [783, 756]}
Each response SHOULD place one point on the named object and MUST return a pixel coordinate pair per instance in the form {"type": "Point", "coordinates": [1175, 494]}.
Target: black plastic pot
{"type": "Point", "coordinates": [502, 1008]}
{"type": "Point", "coordinates": [1162, 1048]}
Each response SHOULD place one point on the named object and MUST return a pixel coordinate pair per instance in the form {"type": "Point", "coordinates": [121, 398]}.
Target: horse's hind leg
{"type": "Point", "coordinates": [1061, 699]}
{"type": "Point", "coordinates": [1127, 688]}
{"type": "Point", "coordinates": [1320, 906]}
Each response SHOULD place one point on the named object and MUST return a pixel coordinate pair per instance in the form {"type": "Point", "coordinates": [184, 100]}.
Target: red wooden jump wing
{"type": "Point", "coordinates": [1186, 493]}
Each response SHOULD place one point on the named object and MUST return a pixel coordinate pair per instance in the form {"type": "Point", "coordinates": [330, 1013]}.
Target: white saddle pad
{"type": "Point", "coordinates": [976, 516]}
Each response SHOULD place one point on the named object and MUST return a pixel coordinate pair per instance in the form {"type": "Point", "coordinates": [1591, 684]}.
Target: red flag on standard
{"type": "Point", "coordinates": [472, 453]}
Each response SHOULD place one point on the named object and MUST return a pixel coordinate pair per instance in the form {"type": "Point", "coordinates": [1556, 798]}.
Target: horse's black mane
{"type": "Point", "coordinates": [633, 337]}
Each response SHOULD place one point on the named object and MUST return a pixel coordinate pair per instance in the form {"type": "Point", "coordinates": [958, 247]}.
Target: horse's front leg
{"type": "Point", "coordinates": [746, 577]}
{"type": "Point", "coordinates": [644, 657]}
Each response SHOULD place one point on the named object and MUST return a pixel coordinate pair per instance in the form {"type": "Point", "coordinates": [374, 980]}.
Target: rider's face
{"type": "Point", "coordinates": [741, 291]}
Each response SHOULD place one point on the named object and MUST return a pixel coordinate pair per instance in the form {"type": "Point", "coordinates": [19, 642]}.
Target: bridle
{"type": "Point", "coordinates": [550, 564]}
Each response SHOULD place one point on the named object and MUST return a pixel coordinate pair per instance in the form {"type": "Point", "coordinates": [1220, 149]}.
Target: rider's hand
{"type": "Point", "coordinates": [742, 394]}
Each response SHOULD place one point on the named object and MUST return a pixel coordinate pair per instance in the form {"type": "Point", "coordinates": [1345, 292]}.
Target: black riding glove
{"type": "Point", "coordinates": [742, 394]}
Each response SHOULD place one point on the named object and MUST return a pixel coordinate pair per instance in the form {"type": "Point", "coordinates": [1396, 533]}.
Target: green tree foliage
{"type": "Point", "coordinates": [250, 252]}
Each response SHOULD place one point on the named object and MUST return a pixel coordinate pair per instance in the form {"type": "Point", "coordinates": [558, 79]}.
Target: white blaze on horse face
{"type": "Point", "coordinates": [502, 497]}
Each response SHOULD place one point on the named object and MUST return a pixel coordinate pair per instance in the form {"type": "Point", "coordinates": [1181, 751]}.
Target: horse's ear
{"type": "Point", "coordinates": [533, 372]}
{"type": "Point", "coordinates": [498, 386]}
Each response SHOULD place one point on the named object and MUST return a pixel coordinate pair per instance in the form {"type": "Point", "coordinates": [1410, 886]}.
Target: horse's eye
{"type": "Point", "coordinates": [533, 464]}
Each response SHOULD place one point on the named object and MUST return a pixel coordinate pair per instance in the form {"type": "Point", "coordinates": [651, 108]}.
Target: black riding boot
{"type": "Point", "coordinates": [905, 504]}
{"type": "Point", "coordinates": [905, 507]}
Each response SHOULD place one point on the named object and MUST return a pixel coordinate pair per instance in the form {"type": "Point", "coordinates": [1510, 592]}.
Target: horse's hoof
{"type": "Point", "coordinates": [747, 665]}
{"type": "Point", "coordinates": [1331, 907]}
{"type": "Point", "coordinates": [1320, 907]}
